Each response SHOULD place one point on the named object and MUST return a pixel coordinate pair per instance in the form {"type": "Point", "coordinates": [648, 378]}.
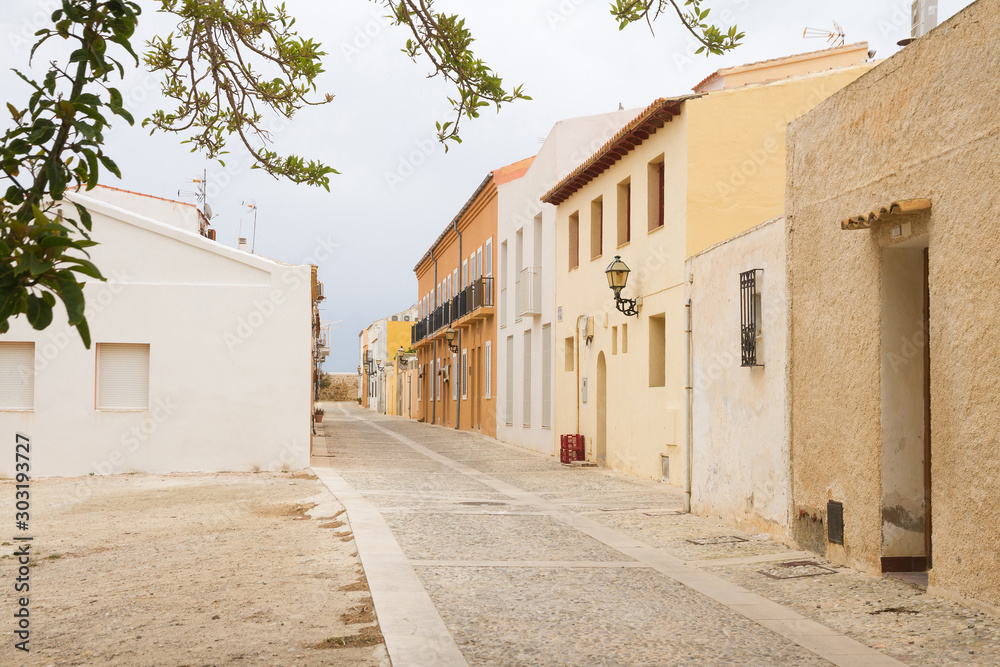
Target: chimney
{"type": "Point", "coordinates": [242, 244]}
{"type": "Point", "coordinates": [923, 17]}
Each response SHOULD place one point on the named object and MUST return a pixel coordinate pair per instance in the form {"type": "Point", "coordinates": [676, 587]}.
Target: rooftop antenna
{"type": "Point", "coordinates": [833, 37]}
{"type": "Point", "coordinates": [253, 206]}
{"type": "Point", "coordinates": [199, 193]}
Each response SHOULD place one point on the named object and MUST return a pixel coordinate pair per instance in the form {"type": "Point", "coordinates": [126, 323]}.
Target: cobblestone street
{"type": "Point", "coordinates": [483, 553]}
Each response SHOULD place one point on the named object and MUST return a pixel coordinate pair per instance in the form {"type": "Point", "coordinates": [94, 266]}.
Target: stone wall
{"type": "Point", "coordinates": [343, 387]}
{"type": "Point", "coordinates": [921, 124]}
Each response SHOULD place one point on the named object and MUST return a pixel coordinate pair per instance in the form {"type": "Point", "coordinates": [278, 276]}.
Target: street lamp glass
{"type": "Point", "coordinates": [449, 334]}
{"type": "Point", "coordinates": [617, 273]}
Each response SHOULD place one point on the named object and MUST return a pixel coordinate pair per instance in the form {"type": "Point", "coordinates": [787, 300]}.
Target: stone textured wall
{"type": "Point", "coordinates": [343, 387]}
{"type": "Point", "coordinates": [922, 124]}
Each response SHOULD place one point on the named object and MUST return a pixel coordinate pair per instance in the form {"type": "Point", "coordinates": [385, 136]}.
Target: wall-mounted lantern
{"type": "Point", "coordinates": [617, 273]}
{"type": "Point", "coordinates": [359, 370]}
{"type": "Point", "coordinates": [449, 335]}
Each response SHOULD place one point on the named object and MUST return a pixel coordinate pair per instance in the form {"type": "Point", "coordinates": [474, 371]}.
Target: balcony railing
{"type": "Point", "coordinates": [477, 295]}
{"type": "Point", "coordinates": [529, 292]}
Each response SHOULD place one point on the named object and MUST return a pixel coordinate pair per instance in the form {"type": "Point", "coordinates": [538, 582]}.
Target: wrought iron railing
{"type": "Point", "coordinates": [477, 295]}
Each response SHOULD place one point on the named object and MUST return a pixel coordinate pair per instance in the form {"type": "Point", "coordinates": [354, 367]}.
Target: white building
{"type": "Point", "coordinates": [526, 234]}
{"type": "Point", "coordinates": [201, 359]}
{"type": "Point", "coordinates": [740, 463]}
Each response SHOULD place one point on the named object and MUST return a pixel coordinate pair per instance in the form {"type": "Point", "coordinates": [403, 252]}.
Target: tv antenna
{"type": "Point", "coordinates": [199, 193]}
{"type": "Point", "coordinates": [253, 206]}
{"type": "Point", "coordinates": [834, 38]}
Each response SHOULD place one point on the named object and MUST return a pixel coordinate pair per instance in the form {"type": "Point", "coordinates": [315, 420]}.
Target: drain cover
{"type": "Point", "coordinates": [796, 569]}
{"type": "Point", "coordinates": [723, 539]}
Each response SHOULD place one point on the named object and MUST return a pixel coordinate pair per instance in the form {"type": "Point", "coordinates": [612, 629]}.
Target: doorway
{"type": "Point", "coordinates": [906, 433]}
{"type": "Point", "coordinates": [601, 444]}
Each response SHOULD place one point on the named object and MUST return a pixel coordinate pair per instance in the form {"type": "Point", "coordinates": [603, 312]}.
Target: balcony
{"type": "Point", "coordinates": [473, 302]}
{"type": "Point", "coordinates": [529, 292]}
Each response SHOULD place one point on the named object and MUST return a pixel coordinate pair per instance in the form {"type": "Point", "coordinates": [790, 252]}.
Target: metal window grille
{"type": "Point", "coordinates": [750, 317]}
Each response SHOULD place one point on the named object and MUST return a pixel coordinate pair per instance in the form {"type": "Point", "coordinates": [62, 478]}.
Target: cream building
{"type": "Point", "coordinates": [378, 346]}
{"type": "Point", "coordinates": [526, 347]}
{"type": "Point", "coordinates": [893, 257]}
{"type": "Point", "coordinates": [687, 173]}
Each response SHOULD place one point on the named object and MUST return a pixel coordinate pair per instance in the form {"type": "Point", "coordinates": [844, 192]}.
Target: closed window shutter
{"type": "Point", "coordinates": [465, 374]}
{"type": "Point", "coordinates": [489, 372]}
{"type": "Point", "coordinates": [122, 376]}
{"type": "Point", "coordinates": [509, 402]}
{"type": "Point", "coordinates": [17, 376]}
{"type": "Point", "coordinates": [547, 376]}
{"type": "Point", "coordinates": [526, 406]}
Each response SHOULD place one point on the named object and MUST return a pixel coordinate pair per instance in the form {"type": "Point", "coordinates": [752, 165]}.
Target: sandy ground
{"type": "Point", "coordinates": [192, 570]}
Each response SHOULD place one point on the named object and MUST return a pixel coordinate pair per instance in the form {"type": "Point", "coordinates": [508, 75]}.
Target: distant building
{"type": "Point", "coordinates": [682, 176]}
{"type": "Point", "coordinates": [379, 344]}
{"type": "Point", "coordinates": [202, 355]}
{"type": "Point", "coordinates": [457, 293]}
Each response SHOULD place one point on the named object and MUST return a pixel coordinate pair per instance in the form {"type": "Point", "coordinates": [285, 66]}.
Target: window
{"type": "Point", "coordinates": [596, 228]}
{"type": "Point", "coordinates": [614, 341]}
{"type": "Point", "coordinates": [489, 370]}
{"type": "Point", "coordinates": [750, 317]}
{"type": "Point", "coordinates": [454, 380]}
{"type": "Point", "coordinates": [547, 376]}
{"type": "Point", "coordinates": [574, 240]}
{"type": "Point", "coordinates": [454, 284]}
{"type": "Point", "coordinates": [488, 257]}
{"type": "Point", "coordinates": [17, 376]}
{"type": "Point", "coordinates": [465, 273]}
{"type": "Point", "coordinates": [526, 405]}
{"type": "Point", "coordinates": [624, 212]}
{"type": "Point", "coordinates": [655, 187]}
{"type": "Point", "coordinates": [570, 355]}
{"type": "Point", "coordinates": [472, 267]}
{"type": "Point", "coordinates": [437, 374]}
{"type": "Point", "coordinates": [509, 390]}
{"type": "Point", "coordinates": [465, 374]}
{"type": "Point", "coordinates": [657, 350]}
{"type": "Point", "coordinates": [122, 376]}
{"type": "Point", "coordinates": [420, 379]}
{"type": "Point", "coordinates": [447, 288]}
{"type": "Point", "coordinates": [624, 339]}
{"type": "Point", "coordinates": [479, 262]}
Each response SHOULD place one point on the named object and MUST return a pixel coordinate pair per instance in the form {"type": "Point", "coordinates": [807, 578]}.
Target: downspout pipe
{"type": "Point", "coordinates": [433, 391]}
{"type": "Point", "coordinates": [458, 394]}
{"type": "Point", "coordinates": [689, 400]}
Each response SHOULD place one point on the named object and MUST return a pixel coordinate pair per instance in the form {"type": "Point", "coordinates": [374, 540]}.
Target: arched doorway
{"type": "Point", "coordinates": [601, 444]}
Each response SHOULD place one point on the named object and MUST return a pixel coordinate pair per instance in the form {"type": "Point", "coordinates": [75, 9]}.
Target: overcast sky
{"type": "Point", "coordinates": [398, 189]}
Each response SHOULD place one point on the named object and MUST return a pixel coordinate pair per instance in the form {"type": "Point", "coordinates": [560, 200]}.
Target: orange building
{"type": "Point", "coordinates": [457, 381]}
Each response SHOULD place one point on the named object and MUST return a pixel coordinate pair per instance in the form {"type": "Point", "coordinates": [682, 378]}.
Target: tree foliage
{"type": "Point", "coordinates": [227, 66]}
{"type": "Point", "coordinates": [714, 40]}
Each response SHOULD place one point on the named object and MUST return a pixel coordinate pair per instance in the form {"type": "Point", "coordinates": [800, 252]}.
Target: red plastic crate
{"type": "Point", "coordinates": [572, 448]}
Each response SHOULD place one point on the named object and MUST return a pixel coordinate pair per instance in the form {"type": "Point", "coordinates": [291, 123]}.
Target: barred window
{"type": "Point", "coordinates": [751, 320]}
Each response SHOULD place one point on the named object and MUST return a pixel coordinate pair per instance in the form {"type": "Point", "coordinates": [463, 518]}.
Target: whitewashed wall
{"type": "Point", "coordinates": [740, 445]}
{"type": "Point", "coordinates": [230, 359]}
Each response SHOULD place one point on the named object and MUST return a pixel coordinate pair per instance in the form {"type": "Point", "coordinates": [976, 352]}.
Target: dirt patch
{"type": "Point", "coordinates": [189, 570]}
{"type": "Point", "coordinates": [332, 524]}
{"type": "Point", "coordinates": [362, 614]}
{"type": "Point", "coordinates": [361, 585]}
{"type": "Point", "coordinates": [367, 637]}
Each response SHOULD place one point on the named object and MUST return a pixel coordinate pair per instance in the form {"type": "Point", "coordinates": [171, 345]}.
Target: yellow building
{"type": "Point", "coordinates": [379, 346]}
{"type": "Point", "coordinates": [687, 173]}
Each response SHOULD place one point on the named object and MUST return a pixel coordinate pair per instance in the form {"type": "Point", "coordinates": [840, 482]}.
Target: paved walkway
{"type": "Point", "coordinates": [482, 553]}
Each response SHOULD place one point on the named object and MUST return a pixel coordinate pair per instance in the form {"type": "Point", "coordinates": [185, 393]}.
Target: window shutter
{"type": "Point", "coordinates": [465, 374]}
{"type": "Point", "coordinates": [488, 258]}
{"type": "Point", "coordinates": [547, 376]}
{"type": "Point", "coordinates": [17, 376]}
{"type": "Point", "coordinates": [509, 402]}
{"type": "Point", "coordinates": [489, 371]}
{"type": "Point", "coordinates": [122, 376]}
{"type": "Point", "coordinates": [526, 407]}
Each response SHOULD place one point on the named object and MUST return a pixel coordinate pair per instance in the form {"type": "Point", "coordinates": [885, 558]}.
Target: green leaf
{"type": "Point", "coordinates": [84, 330]}
{"type": "Point", "coordinates": [71, 293]}
{"type": "Point", "coordinates": [36, 265]}
{"type": "Point", "coordinates": [39, 313]}
{"type": "Point", "coordinates": [110, 165]}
